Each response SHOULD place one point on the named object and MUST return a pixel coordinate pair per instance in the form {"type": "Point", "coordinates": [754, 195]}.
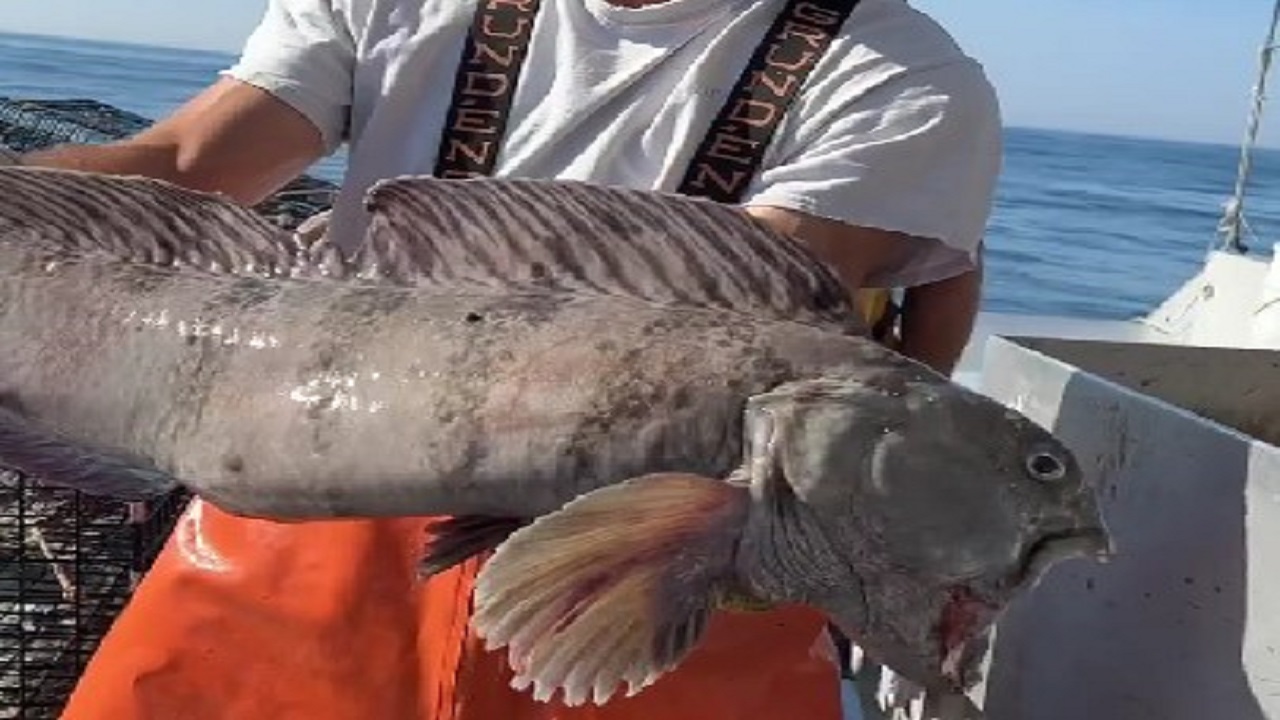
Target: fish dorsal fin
{"type": "Point", "coordinates": [578, 237]}
{"type": "Point", "coordinates": [140, 220]}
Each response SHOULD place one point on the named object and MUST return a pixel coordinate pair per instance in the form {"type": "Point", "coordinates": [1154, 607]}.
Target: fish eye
{"type": "Point", "coordinates": [1046, 467]}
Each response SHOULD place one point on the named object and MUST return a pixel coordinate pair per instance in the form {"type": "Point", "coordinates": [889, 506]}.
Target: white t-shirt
{"type": "Point", "coordinates": [896, 128]}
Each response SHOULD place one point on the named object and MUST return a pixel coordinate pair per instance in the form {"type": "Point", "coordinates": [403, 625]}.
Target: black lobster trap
{"type": "Point", "coordinates": [67, 565]}
{"type": "Point", "coordinates": [68, 561]}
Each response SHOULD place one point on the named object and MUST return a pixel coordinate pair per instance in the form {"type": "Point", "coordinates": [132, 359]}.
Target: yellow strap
{"type": "Point", "coordinates": [873, 303]}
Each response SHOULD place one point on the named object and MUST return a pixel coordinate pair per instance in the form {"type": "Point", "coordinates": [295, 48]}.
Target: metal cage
{"type": "Point", "coordinates": [68, 562]}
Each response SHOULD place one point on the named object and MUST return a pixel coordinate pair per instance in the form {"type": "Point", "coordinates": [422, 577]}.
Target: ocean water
{"type": "Point", "coordinates": [1084, 225]}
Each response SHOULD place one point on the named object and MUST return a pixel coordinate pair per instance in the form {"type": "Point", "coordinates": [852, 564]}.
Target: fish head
{"type": "Point", "coordinates": [942, 505]}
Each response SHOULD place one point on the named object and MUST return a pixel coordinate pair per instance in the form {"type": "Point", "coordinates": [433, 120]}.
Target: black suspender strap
{"type": "Point", "coordinates": [731, 152]}
{"type": "Point", "coordinates": [484, 86]}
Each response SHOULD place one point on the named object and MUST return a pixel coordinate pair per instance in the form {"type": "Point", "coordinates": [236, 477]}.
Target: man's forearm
{"type": "Point", "coordinates": [149, 158]}
{"type": "Point", "coordinates": [124, 158]}
{"type": "Point", "coordinates": [937, 320]}
{"type": "Point", "coordinates": [232, 138]}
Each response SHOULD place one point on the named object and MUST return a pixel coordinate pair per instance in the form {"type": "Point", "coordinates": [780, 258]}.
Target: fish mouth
{"type": "Point", "coordinates": [966, 613]}
{"type": "Point", "coordinates": [1056, 546]}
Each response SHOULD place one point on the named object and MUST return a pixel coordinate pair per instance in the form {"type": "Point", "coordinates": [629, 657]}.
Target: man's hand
{"type": "Point", "coordinates": [232, 138]}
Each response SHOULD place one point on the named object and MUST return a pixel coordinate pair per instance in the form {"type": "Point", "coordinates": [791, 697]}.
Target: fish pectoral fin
{"type": "Point", "coordinates": [29, 449]}
{"type": "Point", "coordinates": [456, 539]}
{"type": "Point", "coordinates": [616, 587]}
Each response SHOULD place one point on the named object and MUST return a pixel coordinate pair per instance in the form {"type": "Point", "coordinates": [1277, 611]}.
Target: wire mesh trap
{"type": "Point", "coordinates": [68, 561]}
{"type": "Point", "coordinates": [67, 565]}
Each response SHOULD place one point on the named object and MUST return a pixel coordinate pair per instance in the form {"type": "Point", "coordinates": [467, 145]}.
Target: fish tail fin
{"type": "Point", "coordinates": [615, 587]}
{"type": "Point", "coordinates": [455, 539]}
{"type": "Point", "coordinates": [31, 450]}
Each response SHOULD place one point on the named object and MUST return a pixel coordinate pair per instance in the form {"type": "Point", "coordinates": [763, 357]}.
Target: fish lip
{"type": "Point", "coordinates": [1056, 546]}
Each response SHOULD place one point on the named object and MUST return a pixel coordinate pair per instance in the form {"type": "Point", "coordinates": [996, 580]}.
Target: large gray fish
{"type": "Point", "coordinates": [677, 395]}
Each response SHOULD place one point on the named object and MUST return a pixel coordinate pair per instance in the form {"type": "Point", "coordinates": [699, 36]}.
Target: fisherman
{"type": "Point", "coordinates": [880, 154]}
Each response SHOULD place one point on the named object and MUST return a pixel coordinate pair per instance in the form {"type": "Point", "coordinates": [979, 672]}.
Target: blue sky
{"type": "Point", "coordinates": [1158, 68]}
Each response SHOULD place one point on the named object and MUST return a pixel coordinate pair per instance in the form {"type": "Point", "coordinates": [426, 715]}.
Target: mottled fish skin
{"type": "Point", "coordinates": [399, 381]}
{"type": "Point", "coordinates": [310, 400]}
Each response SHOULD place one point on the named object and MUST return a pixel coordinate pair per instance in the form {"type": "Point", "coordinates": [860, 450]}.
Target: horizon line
{"type": "Point", "coordinates": [157, 45]}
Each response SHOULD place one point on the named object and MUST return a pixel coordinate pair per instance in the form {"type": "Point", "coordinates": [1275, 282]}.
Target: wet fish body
{"type": "Point", "coordinates": [648, 407]}
{"type": "Point", "coordinates": [246, 372]}
{"type": "Point", "coordinates": [306, 400]}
